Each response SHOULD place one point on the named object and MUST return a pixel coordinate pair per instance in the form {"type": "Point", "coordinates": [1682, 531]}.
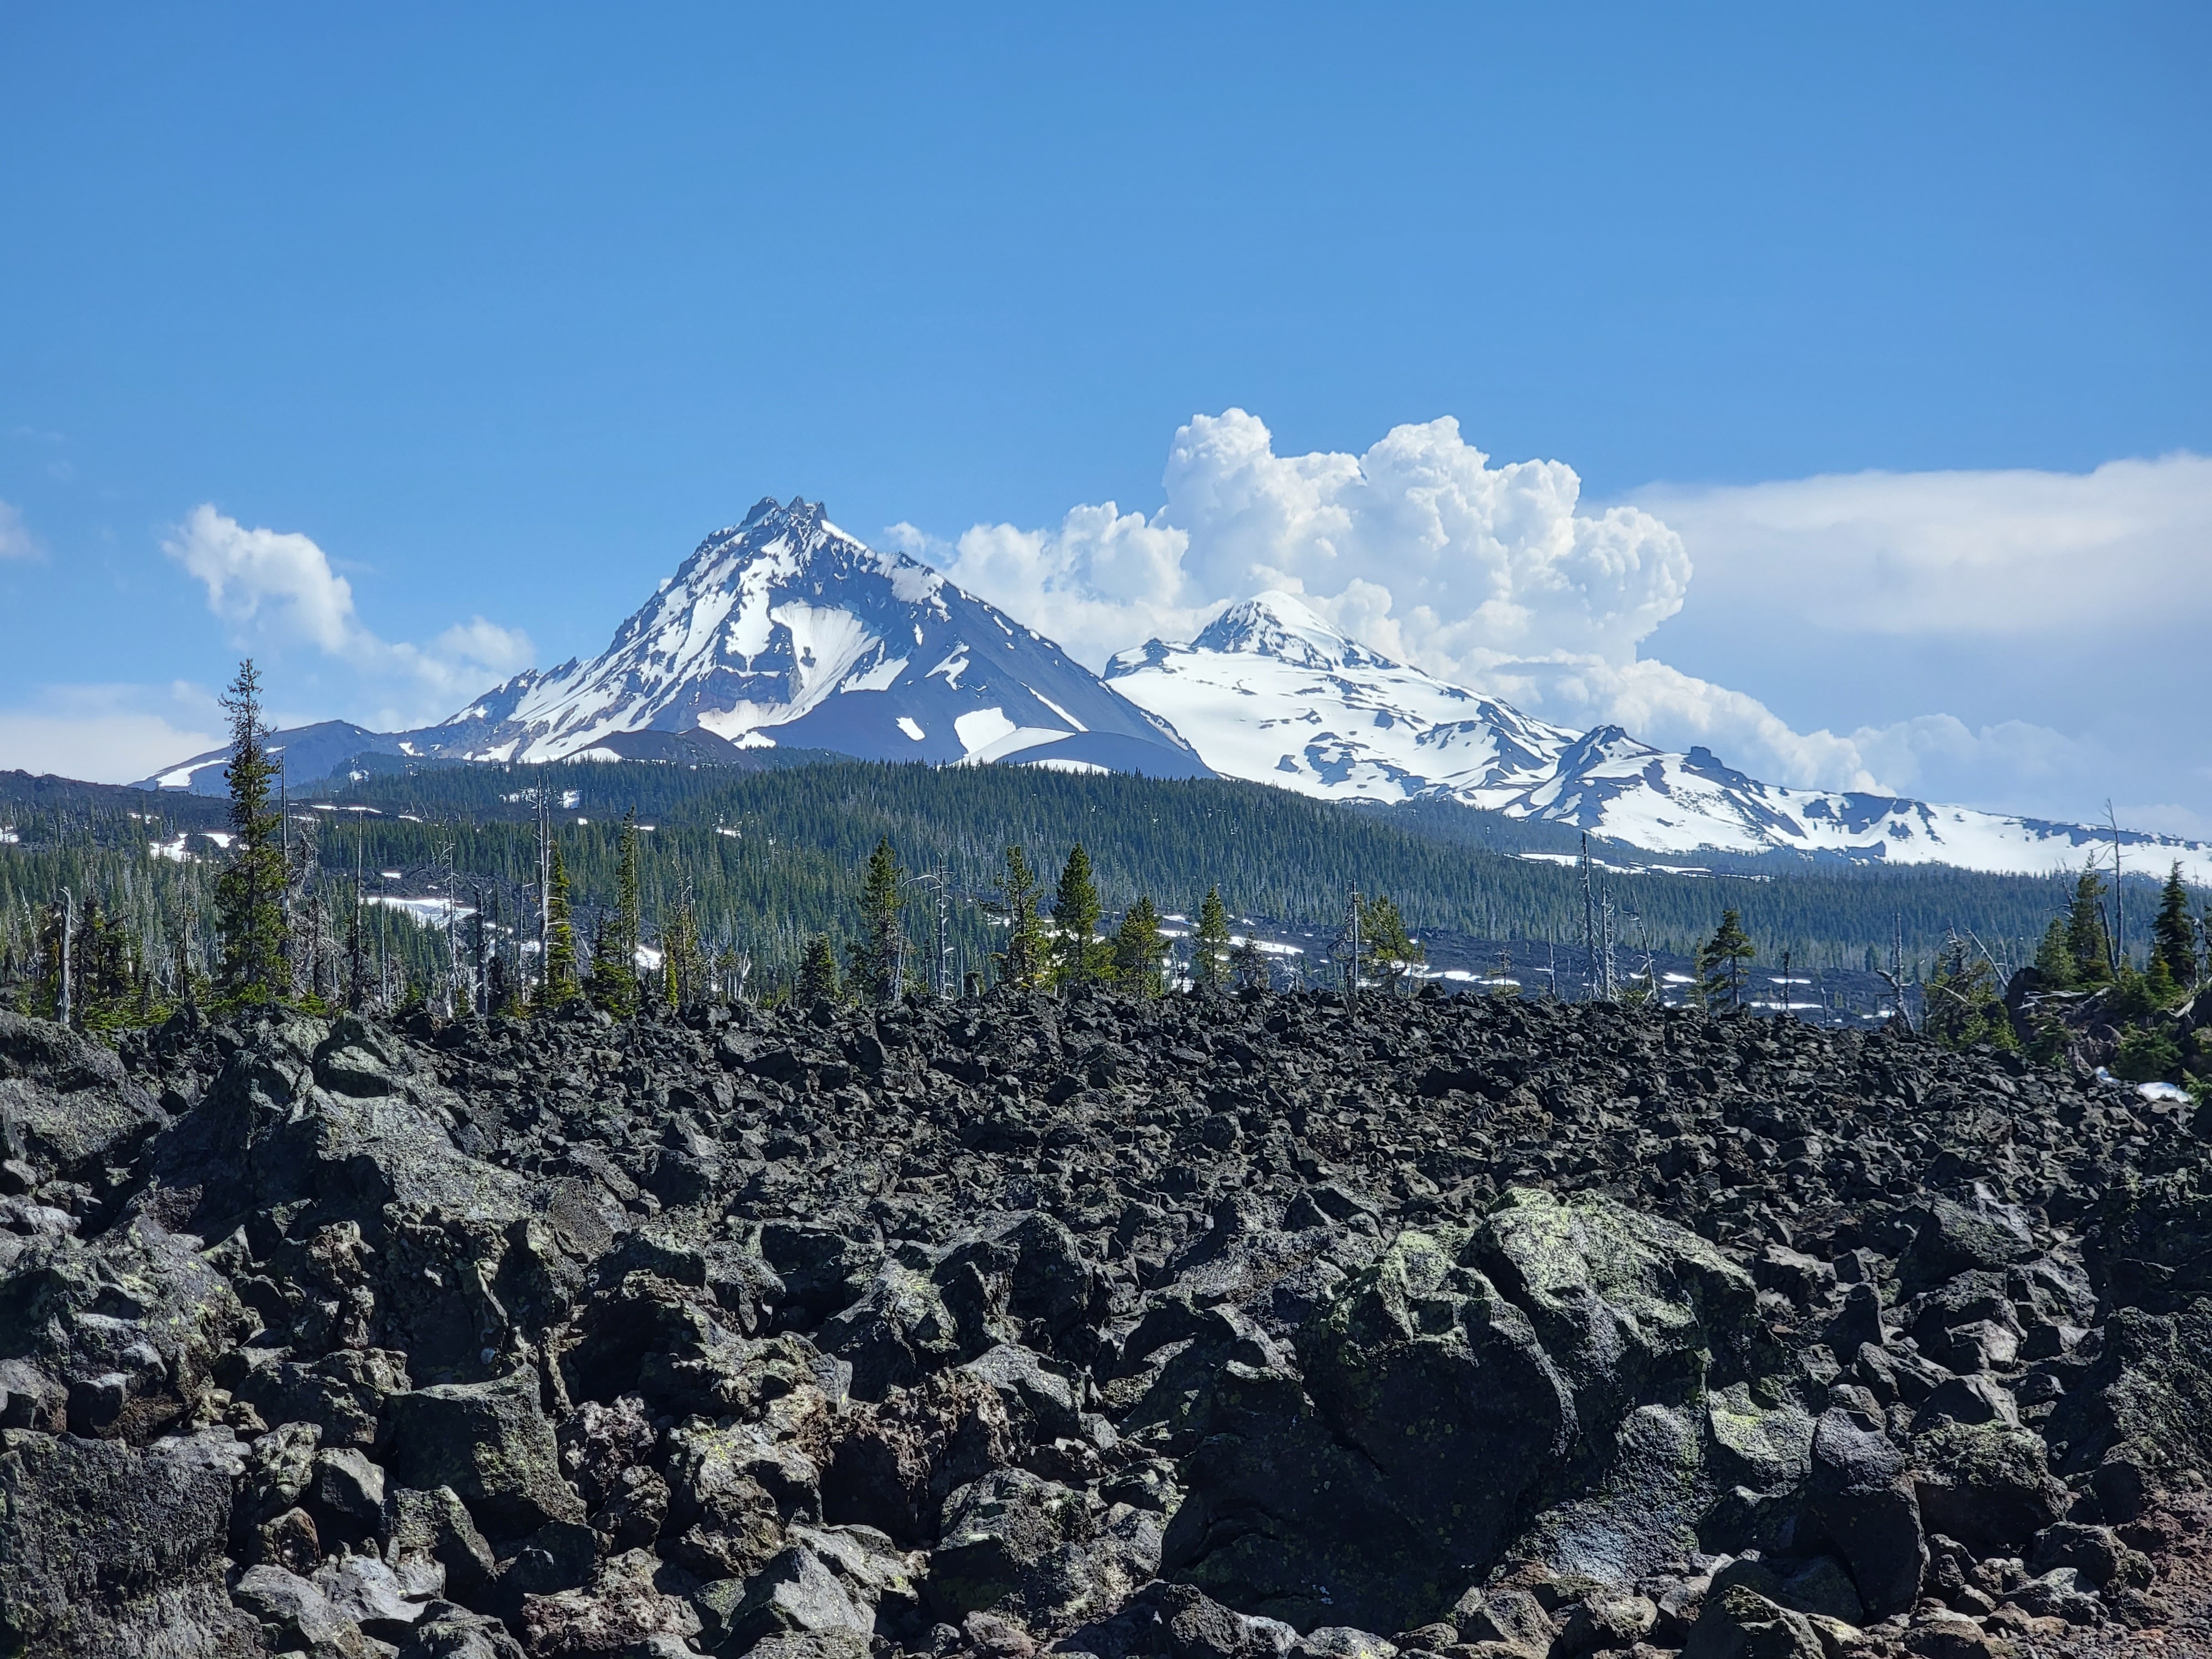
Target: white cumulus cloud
{"type": "Point", "coordinates": [276, 588]}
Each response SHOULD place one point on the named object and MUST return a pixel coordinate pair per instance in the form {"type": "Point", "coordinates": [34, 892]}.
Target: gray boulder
{"type": "Point", "coordinates": [106, 1549]}
{"type": "Point", "coordinates": [491, 1444]}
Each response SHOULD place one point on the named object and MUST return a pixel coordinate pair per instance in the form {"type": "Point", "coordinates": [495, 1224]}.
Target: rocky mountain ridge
{"type": "Point", "coordinates": [1209, 1328]}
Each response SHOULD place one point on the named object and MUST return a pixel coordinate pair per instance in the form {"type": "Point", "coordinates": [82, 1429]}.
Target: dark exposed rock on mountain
{"type": "Point", "coordinates": [1215, 1329]}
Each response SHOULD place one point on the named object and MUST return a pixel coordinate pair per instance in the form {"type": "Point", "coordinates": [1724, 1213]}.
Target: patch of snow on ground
{"type": "Point", "coordinates": [1061, 764]}
{"type": "Point", "coordinates": [906, 724]}
{"type": "Point", "coordinates": [881, 678]}
{"type": "Point", "coordinates": [1058, 710]}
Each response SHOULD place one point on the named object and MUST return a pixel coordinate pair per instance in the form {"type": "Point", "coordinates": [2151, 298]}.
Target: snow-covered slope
{"type": "Point", "coordinates": [1271, 692]}
{"type": "Point", "coordinates": [784, 630]}
{"type": "Point", "coordinates": [1282, 697]}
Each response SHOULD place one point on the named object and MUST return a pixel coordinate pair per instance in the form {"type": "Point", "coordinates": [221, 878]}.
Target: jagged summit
{"type": "Point", "coordinates": [1282, 626]}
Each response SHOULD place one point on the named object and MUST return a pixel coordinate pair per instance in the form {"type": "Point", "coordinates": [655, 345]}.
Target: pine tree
{"type": "Point", "coordinates": [250, 892]}
{"type": "Point", "coordinates": [1248, 966]}
{"type": "Point", "coordinates": [558, 988]}
{"type": "Point", "coordinates": [1023, 963]}
{"type": "Point", "coordinates": [2174, 934]}
{"type": "Point", "coordinates": [1139, 950]}
{"type": "Point", "coordinates": [875, 954]}
{"type": "Point", "coordinates": [682, 962]}
{"type": "Point", "coordinates": [818, 972]}
{"type": "Point", "coordinates": [1390, 952]}
{"type": "Point", "coordinates": [1209, 942]}
{"type": "Point", "coordinates": [2087, 939]}
{"type": "Point", "coordinates": [2054, 958]}
{"type": "Point", "coordinates": [1078, 957]}
{"type": "Point", "coordinates": [614, 986]}
{"type": "Point", "coordinates": [1720, 962]}
{"type": "Point", "coordinates": [1962, 1002]}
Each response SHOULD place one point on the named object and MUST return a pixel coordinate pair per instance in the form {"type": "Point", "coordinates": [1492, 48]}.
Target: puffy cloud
{"type": "Point", "coordinates": [16, 541]}
{"type": "Point", "coordinates": [1420, 543]}
{"type": "Point", "coordinates": [277, 588]}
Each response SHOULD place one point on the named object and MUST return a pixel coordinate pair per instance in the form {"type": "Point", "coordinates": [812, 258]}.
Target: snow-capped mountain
{"type": "Point", "coordinates": [784, 630]}
{"type": "Point", "coordinates": [1271, 692]}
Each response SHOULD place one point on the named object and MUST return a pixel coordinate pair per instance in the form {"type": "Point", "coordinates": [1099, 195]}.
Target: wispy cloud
{"type": "Point", "coordinates": [16, 541]}
{"type": "Point", "coordinates": [108, 733]}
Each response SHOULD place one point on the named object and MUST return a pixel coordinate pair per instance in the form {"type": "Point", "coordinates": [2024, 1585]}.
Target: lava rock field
{"type": "Point", "coordinates": [1204, 1328]}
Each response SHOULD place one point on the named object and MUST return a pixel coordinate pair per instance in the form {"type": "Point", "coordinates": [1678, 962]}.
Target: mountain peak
{"type": "Point", "coordinates": [1284, 627]}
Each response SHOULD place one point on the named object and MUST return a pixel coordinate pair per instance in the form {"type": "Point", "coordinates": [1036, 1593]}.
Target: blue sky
{"type": "Point", "coordinates": [504, 312]}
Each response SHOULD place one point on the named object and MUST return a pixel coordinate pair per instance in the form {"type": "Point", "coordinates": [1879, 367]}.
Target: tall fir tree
{"type": "Point", "coordinates": [1210, 942]}
{"type": "Point", "coordinates": [1077, 957]}
{"type": "Point", "coordinates": [1721, 961]}
{"type": "Point", "coordinates": [1024, 962]}
{"type": "Point", "coordinates": [558, 988]}
{"type": "Point", "coordinates": [818, 972]}
{"type": "Point", "coordinates": [1139, 949]}
{"type": "Point", "coordinates": [614, 985]}
{"type": "Point", "coordinates": [251, 966]}
{"type": "Point", "coordinates": [2087, 940]}
{"type": "Point", "coordinates": [2173, 933]}
{"type": "Point", "coordinates": [875, 955]}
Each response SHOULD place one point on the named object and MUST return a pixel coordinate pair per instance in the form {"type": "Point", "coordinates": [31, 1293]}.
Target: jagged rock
{"type": "Point", "coordinates": [489, 1442]}
{"type": "Point", "coordinates": [1738, 1623]}
{"type": "Point", "coordinates": [69, 1109]}
{"type": "Point", "coordinates": [108, 1549]}
{"type": "Point", "coordinates": [1862, 1498]}
{"type": "Point", "coordinates": [993, 1312]}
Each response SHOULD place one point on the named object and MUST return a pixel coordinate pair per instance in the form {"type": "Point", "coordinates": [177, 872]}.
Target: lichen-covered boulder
{"type": "Point", "coordinates": [491, 1444]}
{"type": "Point", "coordinates": [106, 1549]}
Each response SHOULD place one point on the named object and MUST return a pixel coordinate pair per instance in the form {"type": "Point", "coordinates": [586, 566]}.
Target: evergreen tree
{"type": "Point", "coordinates": [614, 986]}
{"type": "Point", "coordinates": [2086, 939]}
{"type": "Point", "coordinates": [250, 893]}
{"type": "Point", "coordinates": [682, 961]}
{"type": "Point", "coordinates": [1139, 949]}
{"type": "Point", "coordinates": [2174, 934]}
{"type": "Point", "coordinates": [818, 972]}
{"type": "Point", "coordinates": [1720, 962]}
{"type": "Point", "coordinates": [1023, 963]}
{"type": "Point", "coordinates": [1209, 942]}
{"type": "Point", "coordinates": [1962, 1001]}
{"type": "Point", "coordinates": [875, 954]}
{"type": "Point", "coordinates": [2054, 958]}
{"type": "Point", "coordinates": [1076, 956]}
{"type": "Point", "coordinates": [1389, 952]}
{"type": "Point", "coordinates": [1248, 966]}
{"type": "Point", "coordinates": [558, 988]}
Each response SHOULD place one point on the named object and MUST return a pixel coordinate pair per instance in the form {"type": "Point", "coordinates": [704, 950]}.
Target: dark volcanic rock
{"type": "Point", "coordinates": [1220, 1327]}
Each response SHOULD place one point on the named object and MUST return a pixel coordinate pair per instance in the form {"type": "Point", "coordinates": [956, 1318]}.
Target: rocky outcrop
{"type": "Point", "coordinates": [1234, 1327]}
